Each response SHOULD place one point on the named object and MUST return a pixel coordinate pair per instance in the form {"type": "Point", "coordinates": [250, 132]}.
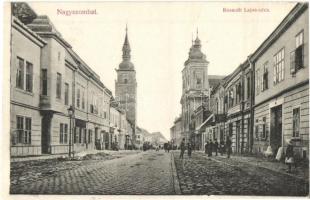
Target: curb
{"type": "Point", "coordinates": [280, 172]}
{"type": "Point", "coordinates": [175, 178]}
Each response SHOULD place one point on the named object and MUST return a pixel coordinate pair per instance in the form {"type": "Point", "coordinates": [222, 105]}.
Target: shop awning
{"type": "Point", "coordinates": [205, 122]}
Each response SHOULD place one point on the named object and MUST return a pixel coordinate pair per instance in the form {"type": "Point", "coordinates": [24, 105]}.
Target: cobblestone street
{"type": "Point", "coordinates": [222, 176]}
{"type": "Point", "coordinates": [142, 173]}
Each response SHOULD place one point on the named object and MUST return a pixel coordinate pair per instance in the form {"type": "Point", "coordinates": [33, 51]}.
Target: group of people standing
{"type": "Point", "coordinates": [210, 147]}
{"type": "Point", "coordinates": [216, 147]}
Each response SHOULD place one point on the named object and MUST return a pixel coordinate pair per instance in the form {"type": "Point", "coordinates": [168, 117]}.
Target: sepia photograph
{"type": "Point", "coordinates": [156, 98]}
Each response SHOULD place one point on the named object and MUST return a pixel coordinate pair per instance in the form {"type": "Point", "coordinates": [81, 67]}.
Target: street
{"type": "Point", "coordinates": [153, 172]}
{"type": "Point", "coordinates": [142, 173]}
{"type": "Point", "coordinates": [221, 176]}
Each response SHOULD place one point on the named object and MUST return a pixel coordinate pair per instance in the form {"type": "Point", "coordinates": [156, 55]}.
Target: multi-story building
{"type": "Point", "coordinates": [238, 106]}
{"type": "Point", "coordinates": [195, 90]}
{"type": "Point", "coordinates": [281, 66]}
{"type": "Point", "coordinates": [25, 72]}
{"type": "Point", "coordinates": [47, 80]}
{"type": "Point", "coordinates": [176, 132]}
{"type": "Point", "coordinates": [126, 85]}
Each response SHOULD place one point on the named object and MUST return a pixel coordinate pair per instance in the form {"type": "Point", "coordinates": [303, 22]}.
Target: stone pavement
{"type": "Point", "coordinates": [143, 173]}
{"type": "Point", "coordinates": [202, 175]}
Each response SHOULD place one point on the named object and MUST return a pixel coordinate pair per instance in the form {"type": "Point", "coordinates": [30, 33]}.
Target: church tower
{"type": "Point", "coordinates": [126, 84]}
{"type": "Point", "coordinates": [195, 90]}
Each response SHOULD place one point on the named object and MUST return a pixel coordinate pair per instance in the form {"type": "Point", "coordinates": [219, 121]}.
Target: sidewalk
{"type": "Point", "coordinates": [80, 154]}
{"type": "Point", "coordinates": [301, 172]}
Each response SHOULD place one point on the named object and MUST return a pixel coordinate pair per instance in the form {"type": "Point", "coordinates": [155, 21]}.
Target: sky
{"type": "Point", "coordinates": [160, 35]}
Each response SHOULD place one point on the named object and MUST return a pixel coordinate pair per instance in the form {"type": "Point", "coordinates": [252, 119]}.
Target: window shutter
{"type": "Point", "coordinates": [292, 67]}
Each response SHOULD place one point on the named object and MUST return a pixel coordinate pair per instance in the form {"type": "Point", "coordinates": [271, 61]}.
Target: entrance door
{"type": "Point", "coordinates": [45, 135]}
{"type": "Point", "coordinates": [238, 136]}
{"type": "Point", "coordinates": [276, 128]}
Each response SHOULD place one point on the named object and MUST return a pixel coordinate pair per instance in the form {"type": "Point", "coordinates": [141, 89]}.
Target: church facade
{"type": "Point", "coordinates": [195, 89]}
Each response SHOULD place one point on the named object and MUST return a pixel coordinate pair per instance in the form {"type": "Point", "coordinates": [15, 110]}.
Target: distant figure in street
{"type": "Point", "coordinates": [168, 146]}
{"type": "Point", "coordinates": [206, 147]}
{"type": "Point", "coordinates": [228, 146]}
{"type": "Point", "coordinates": [222, 147]}
{"type": "Point", "coordinates": [289, 156]}
{"type": "Point", "coordinates": [189, 150]}
{"type": "Point", "coordinates": [216, 146]}
{"type": "Point", "coordinates": [210, 146]}
{"type": "Point", "coordinates": [182, 147]}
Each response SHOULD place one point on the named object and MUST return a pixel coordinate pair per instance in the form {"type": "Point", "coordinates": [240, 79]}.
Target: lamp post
{"type": "Point", "coordinates": [71, 114]}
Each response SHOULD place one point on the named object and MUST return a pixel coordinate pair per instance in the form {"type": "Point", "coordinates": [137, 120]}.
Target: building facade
{"type": "Point", "coordinates": [25, 123]}
{"type": "Point", "coordinates": [238, 107]}
{"type": "Point", "coordinates": [282, 85]}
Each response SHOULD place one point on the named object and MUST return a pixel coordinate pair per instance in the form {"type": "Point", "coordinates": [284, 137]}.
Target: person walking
{"type": "Point", "coordinates": [289, 156]}
{"type": "Point", "coordinates": [210, 148]}
{"type": "Point", "coordinates": [216, 146]}
{"type": "Point", "coordinates": [206, 147]}
{"type": "Point", "coordinates": [222, 147]}
{"type": "Point", "coordinates": [189, 150]}
{"type": "Point", "coordinates": [182, 147]}
{"type": "Point", "coordinates": [228, 146]}
{"type": "Point", "coordinates": [168, 147]}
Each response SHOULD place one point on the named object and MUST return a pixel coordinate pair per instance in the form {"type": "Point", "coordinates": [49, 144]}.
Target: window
{"type": "Point", "coordinates": [76, 135]}
{"type": "Point", "coordinates": [20, 74]}
{"type": "Point", "coordinates": [296, 122]}
{"type": "Point", "coordinates": [23, 130]}
{"type": "Point", "coordinates": [66, 94]}
{"type": "Point", "coordinates": [29, 76]}
{"type": "Point", "coordinates": [27, 131]}
{"type": "Point", "coordinates": [80, 135]}
{"type": "Point", "coordinates": [85, 135]}
{"type": "Point", "coordinates": [61, 134]}
{"type": "Point", "coordinates": [264, 85]}
{"type": "Point", "coordinates": [278, 67]}
{"type": "Point", "coordinates": [19, 128]}
{"type": "Point", "coordinates": [58, 86]}
{"type": "Point", "coordinates": [248, 87]}
{"type": "Point", "coordinates": [44, 81]}
{"type": "Point", "coordinates": [257, 81]}
{"type": "Point", "coordinates": [264, 133]}
{"type": "Point", "coordinates": [83, 99]}
{"type": "Point", "coordinates": [78, 97]}
{"type": "Point", "coordinates": [297, 56]}
{"type": "Point", "coordinates": [66, 134]}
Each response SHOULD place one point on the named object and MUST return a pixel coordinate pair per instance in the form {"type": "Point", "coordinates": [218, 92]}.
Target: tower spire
{"type": "Point", "coordinates": [126, 47]}
{"type": "Point", "coordinates": [197, 33]}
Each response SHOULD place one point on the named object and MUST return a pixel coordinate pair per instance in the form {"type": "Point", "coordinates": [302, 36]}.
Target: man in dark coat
{"type": "Point", "coordinates": [222, 147]}
{"type": "Point", "coordinates": [182, 147]}
{"type": "Point", "coordinates": [210, 148]}
{"type": "Point", "coordinates": [206, 147]}
{"type": "Point", "coordinates": [216, 146]}
{"type": "Point", "coordinates": [228, 146]}
{"type": "Point", "coordinates": [189, 150]}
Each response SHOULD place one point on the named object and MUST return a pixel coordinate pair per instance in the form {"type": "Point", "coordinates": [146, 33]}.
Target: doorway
{"type": "Point", "coordinates": [45, 134]}
{"type": "Point", "coordinates": [276, 128]}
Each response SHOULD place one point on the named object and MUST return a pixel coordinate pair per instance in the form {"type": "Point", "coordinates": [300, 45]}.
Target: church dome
{"type": "Point", "coordinates": [126, 65]}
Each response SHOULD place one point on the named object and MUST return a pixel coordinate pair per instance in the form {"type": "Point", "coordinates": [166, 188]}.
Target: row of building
{"type": "Point", "coordinates": [263, 103]}
{"type": "Point", "coordinates": [57, 101]}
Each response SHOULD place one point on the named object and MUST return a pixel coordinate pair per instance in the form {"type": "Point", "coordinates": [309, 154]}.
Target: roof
{"type": "Point", "coordinates": [214, 80]}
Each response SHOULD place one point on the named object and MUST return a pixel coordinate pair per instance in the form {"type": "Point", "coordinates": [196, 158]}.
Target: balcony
{"type": "Point", "coordinates": [45, 102]}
